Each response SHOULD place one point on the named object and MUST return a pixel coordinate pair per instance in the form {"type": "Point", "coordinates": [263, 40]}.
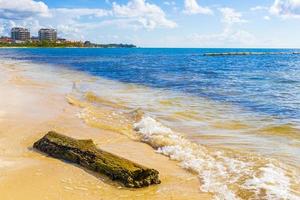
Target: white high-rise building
{"type": "Point", "coordinates": [47, 34]}
{"type": "Point", "coordinates": [20, 34]}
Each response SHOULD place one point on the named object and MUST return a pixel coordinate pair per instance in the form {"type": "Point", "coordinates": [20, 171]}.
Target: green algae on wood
{"type": "Point", "coordinates": [86, 154]}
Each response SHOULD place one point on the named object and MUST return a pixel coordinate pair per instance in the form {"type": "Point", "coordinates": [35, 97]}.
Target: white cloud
{"type": "Point", "coordinates": [259, 8]}
{"type": "Point", "coordinates": [286, 8]}
{"type": "Point", "coordinates": [135, 14]}
{"type": "Point", "coordinates": [170, 3]}
{"type": "Point", "coordinates": [228, 37]}
{"type": "Point", "coordinates": [231, 36]}
{"type": "Point", "coordinates": [6, 26]}
{"type": "Point", "coordinates": [267, 18]}
{"type": "Point", "coordinates": [80, 23]}
{"type": "Point", "coordinates": [231, 16]}
{"type": "Point", "coordinates": [79, 12]}
{"type": "Point", "coordinates": [68, 21]}
{"type": "Point", "coordinates": [143, 14]}
{"type": "Point", "coordinates": [192, 7]}
{"type": "Point", "coordinates": [19, 9]}
{"type": "Point", "coordinates": [76, 23]}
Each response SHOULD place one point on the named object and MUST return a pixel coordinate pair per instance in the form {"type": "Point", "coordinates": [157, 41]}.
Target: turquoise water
{"type": "Point", "coordinates": [268, 84]}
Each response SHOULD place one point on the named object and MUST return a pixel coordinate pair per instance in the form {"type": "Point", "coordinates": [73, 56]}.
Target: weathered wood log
{"type": "Point", "coordinates": [86, 154]}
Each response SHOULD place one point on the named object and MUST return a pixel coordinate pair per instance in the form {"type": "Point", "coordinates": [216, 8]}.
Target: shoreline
{"type": "Point", "coordinates": [67, 47]}
{"type": "Point", "coordinates": [32, 108]}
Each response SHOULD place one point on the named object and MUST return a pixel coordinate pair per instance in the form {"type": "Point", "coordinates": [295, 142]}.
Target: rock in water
{"type": "Point", "coordinates": [86, 154]}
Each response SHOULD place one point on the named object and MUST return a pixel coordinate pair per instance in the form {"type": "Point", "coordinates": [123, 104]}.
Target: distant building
{"type": "Point", "coordinates": [5, 40]}
{"type": "Point", "coordinates": [87, 44]}
{"type": "Point", "coordinates": [47, 34]}
{"type": "Point", "coordinates": [34, 39]}
{"type": "Point", "coordinates": [61, 40]}
{"type": "Point", "coordinates": [20, 34]}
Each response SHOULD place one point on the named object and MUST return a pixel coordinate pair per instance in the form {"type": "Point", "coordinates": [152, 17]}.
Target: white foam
{"type": "Point", "coordinates": [274, 181]}
{"type": "Point", "coordinates": [218, 172]}
{"type": "Point", "coordinates": [149, 126]}
{"type": "Point", "coordinates": [155, 133]}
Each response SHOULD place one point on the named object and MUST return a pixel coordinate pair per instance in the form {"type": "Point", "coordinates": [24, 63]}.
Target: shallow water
{"type": "Point", "coordinates": [267, 84]}
{"type": "Point", "coordinates": [220, 117]}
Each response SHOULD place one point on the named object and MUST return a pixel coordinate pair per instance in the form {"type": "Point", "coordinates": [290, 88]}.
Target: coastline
{"type": "Point", "coordinates": [29, 109]}
{"type": "Point", "coordinates": [67, 47]}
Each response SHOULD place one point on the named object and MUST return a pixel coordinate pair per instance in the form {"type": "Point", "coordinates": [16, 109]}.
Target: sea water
{"type": "Point", "coordinates": [232, 119]}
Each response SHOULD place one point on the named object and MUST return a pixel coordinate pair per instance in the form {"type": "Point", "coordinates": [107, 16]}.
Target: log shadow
{"type": "Point", "coordinates": [102, 177]}
{"type": "Point", "coordinates": [86, 154]}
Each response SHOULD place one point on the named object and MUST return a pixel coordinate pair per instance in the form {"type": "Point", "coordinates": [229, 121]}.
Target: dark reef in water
{"type": "Point", "coordinates": [249, 53]}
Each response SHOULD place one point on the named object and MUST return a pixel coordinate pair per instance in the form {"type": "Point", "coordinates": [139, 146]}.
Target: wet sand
{"type": "Point", "coordinates": [30, 108]}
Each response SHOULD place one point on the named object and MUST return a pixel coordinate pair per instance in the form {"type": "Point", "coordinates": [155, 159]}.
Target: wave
{"type": "Point", "coordinates": [106, 118]}
{"type": "Point", "coordinates": [228, 175]}
{"type": "Point", "coordinates": [93, 98]}
{"type": "Point", "coordinates": [250, 53]}
{"type": "Point", "coordinates": [287, 130]}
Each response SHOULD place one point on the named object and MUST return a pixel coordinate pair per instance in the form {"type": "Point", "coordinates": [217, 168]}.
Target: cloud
{"type": "Point", "coordinates": [135, 14]}
{"type": "Point", "coordinates": [140, 13]}
{"type": "Point", "coordinates": [6, 26]}
{"type": "Point", "coordinates": [20, 9]}
{"type": "Point", "coordinates": [286, 8]}
{"type": "Point", "coordinates": [228, 37]}
{"type": "Point", "coordinates": [259, 8]}
{"type": "Point", "coordinates": [71, 23]}
{"type": "Point", "coordinates": [81, 23]}
{"type": "Point", "coordinates": [192, 7]}
{"type": "Point", "coordinates": [169, 3]}
{"type": "Point", "coordinates": [76, 22]}
{"type": "Point", "coordinates": [231, 16]}
{"type": "Point", "coordinates": [231, 35]}
{"type": "Point", "coordinates": [79, 12]}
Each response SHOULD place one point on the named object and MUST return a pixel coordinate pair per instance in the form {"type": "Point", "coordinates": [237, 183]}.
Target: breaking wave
{"type": "Point", "coordinates": [228, 175]}
{"type": "Point", "coordinates": [225, 173]}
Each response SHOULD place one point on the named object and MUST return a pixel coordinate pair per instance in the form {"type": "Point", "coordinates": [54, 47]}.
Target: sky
{"type": "Point", "coordinates": [162, 23]}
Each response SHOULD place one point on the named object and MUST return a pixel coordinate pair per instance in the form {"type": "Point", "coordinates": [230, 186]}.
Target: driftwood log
{"type": "Point", "coordinates": [86, 154]}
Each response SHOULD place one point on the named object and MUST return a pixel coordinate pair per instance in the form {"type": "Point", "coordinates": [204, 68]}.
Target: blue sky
{"type": "Point", "coordinates": [161, 23]}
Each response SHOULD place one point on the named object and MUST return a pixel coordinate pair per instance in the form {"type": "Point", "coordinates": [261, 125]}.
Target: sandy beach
{"type": "Point", "coordinates": [28, 109]}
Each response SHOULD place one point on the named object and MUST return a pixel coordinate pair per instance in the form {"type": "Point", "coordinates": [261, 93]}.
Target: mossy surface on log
{"type": "Point", "coordinates": [86, 154]}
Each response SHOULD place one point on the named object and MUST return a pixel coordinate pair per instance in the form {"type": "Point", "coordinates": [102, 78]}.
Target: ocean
{"type": "Point", "coordinates": [233, 119]}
